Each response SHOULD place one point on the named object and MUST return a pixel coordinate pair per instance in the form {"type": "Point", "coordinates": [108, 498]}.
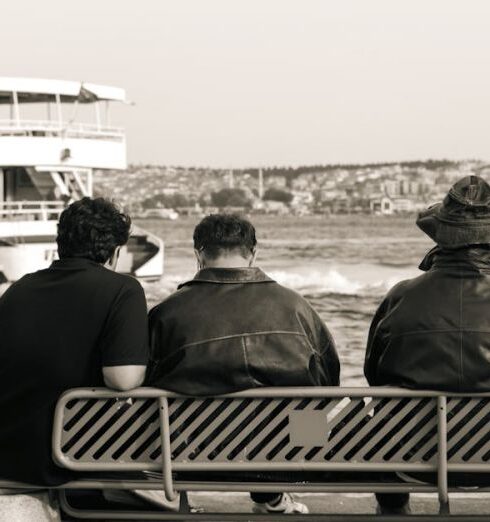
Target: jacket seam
{"type": "Point", "coordinates": [244, 334]}
{"type": "Point", "coordinates": [460, 374]}
{"type": "Point", "coordinates": [245, 358]}
{"type": "Point", "coordinates": [443, 330]}
{"type": "Point", "coordinates": [230, 282]}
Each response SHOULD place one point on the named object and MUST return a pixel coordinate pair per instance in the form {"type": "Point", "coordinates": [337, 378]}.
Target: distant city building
{"type": "Point", "coordinates": [379, 189]}
{"type": "Point", "coordinates": [382, 205]}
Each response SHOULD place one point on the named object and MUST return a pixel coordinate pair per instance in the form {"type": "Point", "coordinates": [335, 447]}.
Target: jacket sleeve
{"type": "Point", "coordinates": [155, 341]}
{"type": "Point", "coordinates": [376, 345]}
{"type": "Point", "coordinates": [328, 352]}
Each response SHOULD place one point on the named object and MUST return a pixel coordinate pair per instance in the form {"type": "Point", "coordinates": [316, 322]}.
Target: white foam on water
{"type": "Point", "coordinates": [346, 279]}
{"type": "Point", "coordinates": [330, 281]}
{"type": "Point", "coordinates": [362, 279]}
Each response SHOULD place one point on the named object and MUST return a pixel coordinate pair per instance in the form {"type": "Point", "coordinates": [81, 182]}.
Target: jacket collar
{"type": "Point", "coordinates": [229, 275]}
{"type": "Point", "coordinates": [473, 258]}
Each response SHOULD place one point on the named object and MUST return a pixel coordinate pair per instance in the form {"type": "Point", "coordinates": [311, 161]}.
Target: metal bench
{"type": "Point", "coordinates": [270, 430]}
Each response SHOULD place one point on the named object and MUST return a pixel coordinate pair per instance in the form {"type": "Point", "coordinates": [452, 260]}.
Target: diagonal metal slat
{"type": "Point", "coordinates": [351, 451]}
{"type": "Point", "coordinates": [463, 433]}
{"type": "Point", "coordinates": [237, 448]}
{"type": "Point", "coordinates": [480, 439]}
{"type": "Point", "coordinates": [187, 437]}
{"type": "Point", "coordinates": [431, 449]}
{"type": "Point", "coordinates": [419, 447]}
{"type": "Point", "coordinates": [100, 414]}
{"type": "Point", "coordinates": [102, 433]}
{"type": "Point", "coordinates": [431, 407]}
{"type": "Point", "coordinates": [227, 431]}
{"type": "Point", "coordinates": [477, 458]}
{"type": "Point", "coordinates": [263, 428]}
{"type": "Point", "coordinates": [274, 432]}
{"type": "Point", "coordinates": [360, 416]}
{"type": "Point", "coordinates": [340, 417]}
{"type": "Point", "coordinates": [131, 433]}
{"type": "Point", "coordinates": [129, 415]}
{"type": "Point", "coordinates": [188, 421]}
{"type": "Point", "coordinates": [369, 425]}
{"type": "Point", "coordinates": [72, 417]}
{"type": "Point", "coordinates": [455, 404]}
{"type": "Point", "coordinates": [378, 438]}
{"type": "Point", "coordinates": [200, 443]}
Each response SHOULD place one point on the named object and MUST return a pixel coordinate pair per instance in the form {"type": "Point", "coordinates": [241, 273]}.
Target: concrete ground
{"type": "Point", "coordinates": [355, 503]}
{"type": "Point", "coordinates": [33, 508]}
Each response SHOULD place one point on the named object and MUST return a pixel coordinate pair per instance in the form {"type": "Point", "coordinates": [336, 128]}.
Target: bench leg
{"type": "Point", "coordinates": [184, 506]}
{"type": "Point", "coordinates": [444, 508]}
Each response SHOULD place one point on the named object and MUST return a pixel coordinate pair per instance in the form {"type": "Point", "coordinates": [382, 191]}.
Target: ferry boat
{"type": "Point", "coordinates": [47, 157]}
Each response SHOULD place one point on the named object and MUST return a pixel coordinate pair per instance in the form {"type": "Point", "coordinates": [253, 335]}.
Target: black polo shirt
{"type": "Point", "coordinates": [58, 328]}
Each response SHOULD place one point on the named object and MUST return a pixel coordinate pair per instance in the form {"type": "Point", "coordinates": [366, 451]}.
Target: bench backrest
{"type": "Point", "coordinates": [272, 429]}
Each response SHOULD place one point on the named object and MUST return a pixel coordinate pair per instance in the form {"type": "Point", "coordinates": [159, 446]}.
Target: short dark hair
{"type": "Point", "coordinates": [92, 229]}
{"type": "Point", "coordinates": [219, 233]}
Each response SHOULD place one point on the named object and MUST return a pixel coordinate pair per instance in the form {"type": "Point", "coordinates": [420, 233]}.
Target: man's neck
{"type": "Point", "coordinates": [227, 262]}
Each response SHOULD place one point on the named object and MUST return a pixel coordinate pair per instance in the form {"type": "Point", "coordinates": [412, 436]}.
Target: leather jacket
{"type": "Point", "coordinates": [232, 329]}
{"type": "Point", "coordinates": [433, 331]}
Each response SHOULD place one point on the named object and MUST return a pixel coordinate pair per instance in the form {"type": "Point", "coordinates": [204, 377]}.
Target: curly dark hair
{"type": "Point", "coordinates": [224, 232]}
{"type": "Point", "coordinates": [92, 229]}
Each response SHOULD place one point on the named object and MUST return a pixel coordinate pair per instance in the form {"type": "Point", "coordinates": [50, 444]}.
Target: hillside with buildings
{"type": "Point", "coordinates": [387, 188]}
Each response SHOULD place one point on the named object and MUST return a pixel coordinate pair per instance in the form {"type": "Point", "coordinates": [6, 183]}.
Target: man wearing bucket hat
{"type": "Point", "coordinates": [433, 331]}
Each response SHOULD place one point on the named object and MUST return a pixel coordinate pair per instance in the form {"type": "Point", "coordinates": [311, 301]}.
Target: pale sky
{"type": "Point", "coordinates": [271, 82]}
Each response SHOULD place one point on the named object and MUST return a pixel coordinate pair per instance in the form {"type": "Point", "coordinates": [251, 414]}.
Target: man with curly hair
{"type": "Point", "coordinates": [76, 323]}
{"type": "Point", "coordinates": [233, 328]}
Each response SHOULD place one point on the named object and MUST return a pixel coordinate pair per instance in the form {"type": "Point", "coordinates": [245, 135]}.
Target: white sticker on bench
{"type": "Point", "coordinates": [308, 428]}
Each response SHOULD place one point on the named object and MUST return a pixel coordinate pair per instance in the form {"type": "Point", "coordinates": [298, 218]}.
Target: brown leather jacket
{"type": "Point", "coordinates": [232, 329]}
{"type": "Point", "coordinates": [433, 331]}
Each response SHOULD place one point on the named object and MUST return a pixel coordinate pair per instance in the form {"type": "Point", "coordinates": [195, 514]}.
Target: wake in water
{"type": "Point", "coordinates": [349, 280]}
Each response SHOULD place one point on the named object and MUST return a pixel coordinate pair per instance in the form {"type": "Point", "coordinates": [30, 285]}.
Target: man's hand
{"type": "Point", "coordinates": [123, 378]}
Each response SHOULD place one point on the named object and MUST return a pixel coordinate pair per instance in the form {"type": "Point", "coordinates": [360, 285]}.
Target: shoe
{"type": "Point", "coordinates": [286, 504]}
{"type": "Point", "coordinates": [403, 510]}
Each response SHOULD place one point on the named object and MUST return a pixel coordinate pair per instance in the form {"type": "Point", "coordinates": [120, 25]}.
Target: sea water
{"type": "Point", "coordinates": [343, 265]}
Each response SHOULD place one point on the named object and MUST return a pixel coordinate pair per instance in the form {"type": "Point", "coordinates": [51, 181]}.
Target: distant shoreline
{"type": "Point", "coordinates": [333, 227]}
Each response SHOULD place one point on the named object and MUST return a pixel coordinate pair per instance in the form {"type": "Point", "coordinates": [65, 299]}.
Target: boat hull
{"type": "Point", "coordinates": [27, 246]}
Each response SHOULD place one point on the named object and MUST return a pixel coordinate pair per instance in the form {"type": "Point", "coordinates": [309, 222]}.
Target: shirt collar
{"type": "Point", "coordinates": [74, 263]}
{"type": "Point", "coordinates": [229, 275]}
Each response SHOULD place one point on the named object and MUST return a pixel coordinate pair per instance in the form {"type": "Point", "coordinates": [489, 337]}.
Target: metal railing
{"type": "Point", "coordinates": [51, 128]}
{"type": "Point", "coordinates": [40, 210]}
{"type": "Point", "coordinates": [276, 429]}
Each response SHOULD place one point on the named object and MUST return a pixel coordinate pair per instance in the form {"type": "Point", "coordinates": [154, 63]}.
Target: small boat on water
{"type": "Point", "coordinates": [47, 156]}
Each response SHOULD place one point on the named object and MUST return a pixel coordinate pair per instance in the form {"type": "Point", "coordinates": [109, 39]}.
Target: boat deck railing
{"type": "Point", "coordinates": [28, 210]}
{"type": "Point", "coordinates": [46, 128]}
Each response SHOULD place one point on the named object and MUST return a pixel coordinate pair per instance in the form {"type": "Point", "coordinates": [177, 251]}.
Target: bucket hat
{"type": "Point", "coordinates": [462, 218]}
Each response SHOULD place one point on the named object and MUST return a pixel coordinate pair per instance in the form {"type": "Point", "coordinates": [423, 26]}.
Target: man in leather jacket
{"type": "Point", "coordinates": [233, 328]}
{"type": "Point", "coordinates": [433, 331]}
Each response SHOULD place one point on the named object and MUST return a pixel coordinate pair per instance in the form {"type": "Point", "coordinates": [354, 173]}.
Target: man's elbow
{"type": "Point", "coordinates": [124, 378]}
{"type": "Point", "coordinates": [123, 386]}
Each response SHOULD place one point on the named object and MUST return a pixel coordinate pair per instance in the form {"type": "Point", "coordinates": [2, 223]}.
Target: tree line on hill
{"type": "Point", "coordinates": [226, 197]}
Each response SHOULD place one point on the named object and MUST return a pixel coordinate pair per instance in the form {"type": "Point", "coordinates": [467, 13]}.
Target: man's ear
{"type": "Point", "coordinates": [199, 258]}
{"type": "Point", "coordinates": [111, 263]}
{"type": "Point", "coordinates": [253, 258]}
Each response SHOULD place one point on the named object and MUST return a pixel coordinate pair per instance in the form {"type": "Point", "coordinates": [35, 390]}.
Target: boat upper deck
{"type": "Point", "coordinates": [38, 90]}
{"type": "Point", "coordinates": [47, 128]}
{"type": "Point", "coordinates": [58, 136]}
